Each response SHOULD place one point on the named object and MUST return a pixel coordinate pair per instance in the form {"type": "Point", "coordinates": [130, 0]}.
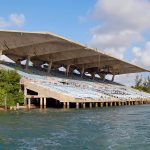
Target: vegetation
{"type": "Point", "coordinates": [142, 84]}
{"type": "Point", "coordinates": [10, 89]}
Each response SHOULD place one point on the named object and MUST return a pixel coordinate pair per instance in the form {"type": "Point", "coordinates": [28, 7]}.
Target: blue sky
{"type": "Point", "coordinates": [120, 28]}
{"type": "Point", "coordinates": [59, 16]}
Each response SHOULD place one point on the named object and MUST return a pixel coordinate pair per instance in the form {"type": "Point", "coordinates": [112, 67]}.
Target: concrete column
{"type": "Point", "coordinates": [27, 62]}
{"type": "Point", "coordinates": [114, 103]}
{"type": "Point", "coordinates": [106, 104]}
{"type": "Point", "coordinates": [83, 105]}
{"type": "Point", "coordinates": [17, 105]}
{"type": "Point", "coordinates": [64, 105]}
{"type": "Point", "coordinates": [93, 76]}
{"type": "Point", "coordinates": [113, 77]}
{"type": "Point", "coordinates": [25, 94]}
{"type": "Point", "coordinates": [110, 104]}
{"type": "Point", "coordinates": [44, 102]}
{"type": "Point", "coordinates": [128, 102]}
{"type": "Point", "coordinates": [68, 105]}
{"type": "Point", "coordinates": [1, 54]}
{"type": "Point", "coordinates": [101, 104]}
{"type": "Point", "coordinates": [102, 76]}
{"type": "Point", "coordinates": [82, 72]}
{"type": "Point", "coordinates": [41, 102]}
{"type": "Point", "coordinates": [18, 61]}
{"type": "Point", "coordinates": [96, 104]}
{"type": "Point", "coordinates": [49, 67]}
{"type": "Point", "coordinates": [77, 105]}
{"type": "Point", "coordinates": [29, 103]}
{"type": "Point", "coordinates": [67, 70]}
{"type": "Point", "coordinates": [90, 105]}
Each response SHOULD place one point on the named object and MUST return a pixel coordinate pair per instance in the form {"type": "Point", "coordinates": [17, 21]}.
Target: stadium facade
{"type": "Point", "coordinates": [52, 52]}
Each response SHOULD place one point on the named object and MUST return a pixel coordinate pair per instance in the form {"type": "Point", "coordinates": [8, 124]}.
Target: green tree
{"type": "Point", "coordinates": [142, 84]}
{"type": "Point", "coordinates": [10, 87]}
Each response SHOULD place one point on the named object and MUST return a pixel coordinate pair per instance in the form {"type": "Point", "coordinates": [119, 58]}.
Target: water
{"type": "Point", "coordinates": [116, 128]}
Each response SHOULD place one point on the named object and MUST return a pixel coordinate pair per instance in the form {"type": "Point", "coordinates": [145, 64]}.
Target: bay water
{"type": "Point", "coordinates": [112, 128]}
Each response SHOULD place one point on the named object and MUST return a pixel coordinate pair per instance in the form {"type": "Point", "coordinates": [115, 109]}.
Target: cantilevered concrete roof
{"type": "Point", "coordinates": [47, 47]}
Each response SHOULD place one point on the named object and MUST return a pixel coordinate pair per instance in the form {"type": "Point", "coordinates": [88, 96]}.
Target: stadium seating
{"type": "Point", "coordinates": [77, 87]}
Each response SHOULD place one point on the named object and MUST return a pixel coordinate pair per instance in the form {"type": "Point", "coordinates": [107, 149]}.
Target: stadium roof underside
{"type": "Point", "coordinates": [47, 47]}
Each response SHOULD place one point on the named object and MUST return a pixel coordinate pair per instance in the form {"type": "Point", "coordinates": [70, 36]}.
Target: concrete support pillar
{"type": "Point", "coordinates": [29, 103]}
{"type": "Point", "coordinates": [27, 62]}
{"type": "Point", "coordinates": [114, 103]}
{"type": "Point", "coordinates": [110, 104]}
{"type": "Point", "coordinates": [113, 77]}
{"type": "Point", "coordinates": [64, 105]}
{"type": "Point", "coordinates": [41, 102]}
{"type": "Point", "coordinates": [96, 104]}
{"type": "Point", "coordinates": [90, 105]}
{"type": "Point", "coordinates": [93, 76]}
{"type": "Point", "coordinates": [68, 105]}
{"type": "Point", "coordinates": [106, 104]}
{"type": "Point", "coordinates": [1, 54]}
{"type": "Point", "coordinates": [128, 102]}
{"type": "Point", "coordinates": [82, 72]}
{"type": "Point", "coordinates": [67, 70]}
{"type": "Point", "coordinates": [101, 104]}
{"type": "Point", "coordinates": [83, 105]}
{"type": "Point", "coordinates": [18, 62]}
{"type": "Point", "coordinates": [44, 102]}
{"type": "Point", "coordinates": [77, 105]}
{"type": "Point", "coordinates": [49, 67]}
{"type": "Point", "coordinates": [25, 94]}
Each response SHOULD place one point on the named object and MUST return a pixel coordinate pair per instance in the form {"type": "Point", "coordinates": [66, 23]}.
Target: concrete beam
{"type": "Point", "coordinates": [44, 49]}
{"type": "Point", "coordinates": [70, 56]}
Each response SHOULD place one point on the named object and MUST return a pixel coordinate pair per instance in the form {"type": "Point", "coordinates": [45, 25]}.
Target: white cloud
{"type": "Point", "coordinates": [142, 56]}
{"type": "Point", "coordinates": [17, 19]}
{"type": "Point", "coordinates": [121, 24]}
{"type": "Point", "coordinates": [119, 14]}
{"type": "Point", "coordinates": [14, 20]}
{"type": "Point", "coordinates": [127, 79]}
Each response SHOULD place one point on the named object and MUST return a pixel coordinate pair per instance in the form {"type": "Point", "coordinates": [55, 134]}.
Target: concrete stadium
{"type": "Point", "coordinates": [81, 84]}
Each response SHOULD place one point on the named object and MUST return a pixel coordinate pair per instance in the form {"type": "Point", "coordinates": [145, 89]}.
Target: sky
{"type": "Point", "coordinates": [117, 27]}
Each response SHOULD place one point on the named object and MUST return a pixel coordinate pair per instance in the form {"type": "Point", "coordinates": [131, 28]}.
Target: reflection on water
{"type": "Point", "coordinates": [116, 128]}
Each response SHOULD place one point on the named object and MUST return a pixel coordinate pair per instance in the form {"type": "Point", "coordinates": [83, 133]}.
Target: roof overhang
{"type": "Point", "coordinates": [45, 47]}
